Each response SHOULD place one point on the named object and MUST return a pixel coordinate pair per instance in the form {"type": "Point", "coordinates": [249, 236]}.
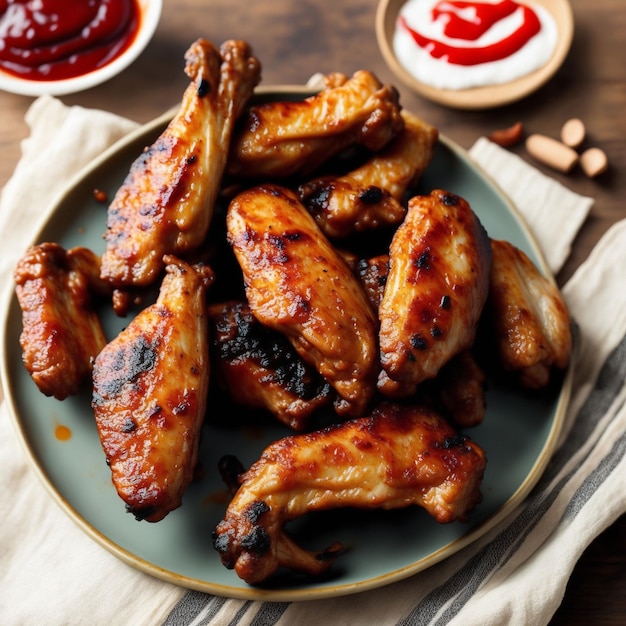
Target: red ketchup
{"type": "Point", "coordinates": [58, 39]}
{"type": "Point", "coordinates": [485, 16]}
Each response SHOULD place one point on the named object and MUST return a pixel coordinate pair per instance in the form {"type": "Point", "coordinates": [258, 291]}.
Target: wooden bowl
{"type": "Point", "coordinates": [477, 97]}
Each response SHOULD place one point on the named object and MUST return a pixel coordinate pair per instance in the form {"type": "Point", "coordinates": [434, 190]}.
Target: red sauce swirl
{"type": "Point", "coordinates": [58, 39]}
{"type": "Point", "coordinates": [485, 16]}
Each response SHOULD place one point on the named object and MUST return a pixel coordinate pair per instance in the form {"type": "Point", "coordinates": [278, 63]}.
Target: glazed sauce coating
{"type": "Point", "coordinates": [57, 39]}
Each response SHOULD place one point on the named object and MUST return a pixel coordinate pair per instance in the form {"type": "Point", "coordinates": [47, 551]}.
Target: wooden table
{"type": "Point", "coordinates": [296, 39]}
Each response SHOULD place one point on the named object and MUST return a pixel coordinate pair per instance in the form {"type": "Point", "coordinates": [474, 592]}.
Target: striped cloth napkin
{"type": "Point", "coordinates": [53, 573]}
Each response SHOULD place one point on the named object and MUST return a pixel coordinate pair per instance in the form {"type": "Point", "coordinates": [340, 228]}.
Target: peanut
{"type": "Point", "coordinates": [573, 133]}
{"type": "Point", "coordinates": [551, 152]}
{"type": "Point", "coordinates": [593, 162]}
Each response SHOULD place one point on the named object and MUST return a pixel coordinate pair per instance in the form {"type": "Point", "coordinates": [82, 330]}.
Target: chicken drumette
{"type": "Point", "coordinates": [297, 284]}
{"type": "Point", "coordinates": [284, 138]}
{"type": "Point", "coordinates": [527, 316]}
{"type": "Point", "coordinates": [259, 368]}
{"type": "Point", "coordinates": [400, 456]}
{"type": "Point", "coordinates": [150, 388]}
{"type": "Point", "coordinates": [372, 195]}
{"type": "Point", "coordinates": [166, 203]}
{"type": "Point", "coordinates": [61, 332]}
{"type": "Point", "coordinates": [439, 265]}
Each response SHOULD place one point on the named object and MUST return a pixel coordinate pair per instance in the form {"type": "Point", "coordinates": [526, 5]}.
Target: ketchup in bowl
{"type": "Point", "coordinates": [49, 40]}
{"type": "Point", "coordinates": [459, 44]}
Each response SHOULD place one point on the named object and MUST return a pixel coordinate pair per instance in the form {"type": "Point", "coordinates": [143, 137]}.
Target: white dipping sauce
{"type": "Point", "coordinates": [441, 74]}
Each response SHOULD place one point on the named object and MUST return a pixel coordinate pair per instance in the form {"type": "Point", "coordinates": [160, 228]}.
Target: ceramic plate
{"type": "Point", "coordinates": [519, 431]}
{"type": "Point", "coordinates": [478, 97]}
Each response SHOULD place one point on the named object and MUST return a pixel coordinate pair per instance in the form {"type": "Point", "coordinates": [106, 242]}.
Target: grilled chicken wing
{"type": "Point", "coordinates": [372, 195]}
{"type": "Point", "coordinates": [260, 368]}
{"type": "Point", "coordinates": [298, 284]}
{"type": "Point", "coordinates": [399, 456]}
{"type": "Point", "coordinates": [528, 316]}
{"type": "Point", "coordinates": [284, 138]}
{"type": "Point", "coordinates": [438, 281]}
{"type": "Point", "coordinates": [61, 332]}
{"type": "Point", "coordinates": [166, 203]}
{"type": "Point", "coordinates": [149, 394]}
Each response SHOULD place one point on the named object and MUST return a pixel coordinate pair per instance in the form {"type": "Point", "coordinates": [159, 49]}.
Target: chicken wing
{"type": "Point", "coordinates": [61, 333]}
{"type": "Point", "coordinates": [260, 368]}
{"type": "Point", "coordinates": [438, 281]}
{"type": "Point", "coordinates": [166, 203]}
{"type": "Point", "coordinates": [298, 284]}
{"type": "Point", "coordinates": [400, 456]}
{"type": "Point", "coordinates": [528, 316]}
{"type": "Point", "coordinates": [279, 139]}
{"type": "Point", "coordinates": [149, 394]}
{"type": "Point", "coordinates": [372, 195]}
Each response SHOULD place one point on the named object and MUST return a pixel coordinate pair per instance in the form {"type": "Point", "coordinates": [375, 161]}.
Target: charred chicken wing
{"type": "Point", "coordinates": [61, 332]}
{"type": "Point", "coordinates": [528, 316]}
{"type": "Point", "coordinates": [260, 368]}
{"type": "Point", "coordinates": [166, 203]}
{"type": "Point", "coordinates": [400, 456]}
{"type": "Point", "coordinates": [439, 264]}
{"type": "Point", "coordinates": [298, 284]}
{"type": "Point", "coordinates": [150, 391]}
{"type": "Point", "coordinates": [372, 195]}
{"type": "Point", "coordinates": [279, 139]}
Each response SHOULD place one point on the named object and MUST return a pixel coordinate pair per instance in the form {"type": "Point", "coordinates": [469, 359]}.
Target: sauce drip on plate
{"type": "Point", "coordinates": [58, 39]}
{"type": "Point", "coordinates": [456, 44]}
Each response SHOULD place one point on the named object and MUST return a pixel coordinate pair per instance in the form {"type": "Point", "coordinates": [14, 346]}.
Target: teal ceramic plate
{"type": "Point", "coordinates": [519, 432]}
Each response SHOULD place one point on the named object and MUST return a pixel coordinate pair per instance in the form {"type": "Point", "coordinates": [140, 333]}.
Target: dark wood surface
{"type": "Point", "coordinates": [297, 39]}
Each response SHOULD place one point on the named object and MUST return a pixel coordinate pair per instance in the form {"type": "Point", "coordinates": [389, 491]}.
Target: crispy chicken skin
{"type": "Point", "coordinates": [529, 317]}
{"type": "Point", "coordinates": [61, 332]}
{"type": "Point", "coordinates": [166, 203]}
{"type": "Point", "coordinates": [397, 457]}
{"type": "Point", "coordinates": [260, 368]}
{"type": "Point", "coordinates": [298, 284]}
{"type": "Point", "coordinates": [439, 265]}
{"type": "Point", "coordinates": [150, 391]}
{"type": "Point", "coordinates": [285, 138]}
{"type": "Point", "coordinates": [372, 195]}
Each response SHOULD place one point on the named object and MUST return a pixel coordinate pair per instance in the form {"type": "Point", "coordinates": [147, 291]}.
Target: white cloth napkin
{"type": "Point", "coordinates": [52, 573]}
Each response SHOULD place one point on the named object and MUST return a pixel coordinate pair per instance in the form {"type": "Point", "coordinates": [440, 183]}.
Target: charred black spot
{"type": "Point", "coordinates": [423, 261]}
{"type": "Point", "coordinates": [450, 199]}
{"type": "Point", "coordinates": [456, 441]}
{"type": "Point", "coordinates": [140, 513]}
{"type": "Point", "coordinates": [256, 510]}
{"type": "Point", "coordinates": [445, 302]}
{"type": "Point", "coordinates": [419, 342]}
{"type": "Point", "coordinates": [295, 236]}
{"type": "Point", "coordinates": [436, 332]}
{"type": "Point", "coordinates": [317, 201]}
{"type": "Point", "coordinates": [204, 87]}
{"type": "Point", "coordinates": [129, 425]}
{"type": "Point", "coordinates": [222, 543]}
{"type": "Point", "coordinates": [192, 159]}
{"type": "Point", "coordinates": [257, 541]}
{"type": "Point", "coordinates": [371, 195]}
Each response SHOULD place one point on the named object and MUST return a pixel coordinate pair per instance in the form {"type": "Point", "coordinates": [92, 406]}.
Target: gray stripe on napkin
{"type": "Point", "coordinates": [191, 605]}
